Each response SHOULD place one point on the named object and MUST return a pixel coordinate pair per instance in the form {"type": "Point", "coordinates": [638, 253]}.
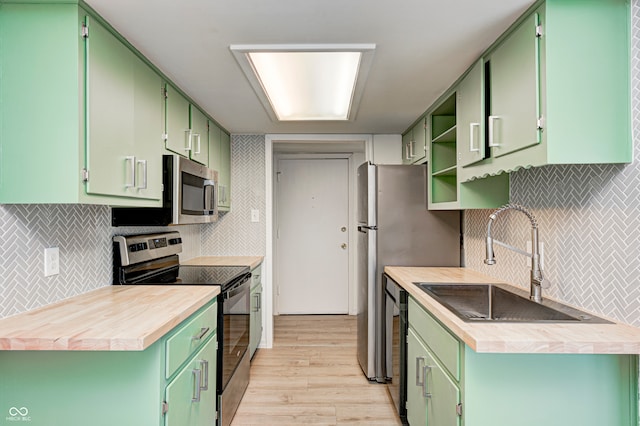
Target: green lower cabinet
{"type": "Point", "coordinates": [255, 329]}
{"type": "Point", "coordinates": [496, 389]}
{"type": "Point", "coordinates": [107, 388]}
{"type": "Point", "coordinates": [77, 388]}
{"type": "Point", "coordinates": [432, 397]}
{"type": "Point", "coordinates": [191, 395]}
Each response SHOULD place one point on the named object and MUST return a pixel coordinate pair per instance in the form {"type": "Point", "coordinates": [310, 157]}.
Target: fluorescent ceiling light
{"type": "Point", "coordinates": [303, 83]}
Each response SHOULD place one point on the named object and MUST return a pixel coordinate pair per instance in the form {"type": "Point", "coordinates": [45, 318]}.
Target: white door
{"type": "Point", "coordinates": [312, 255]}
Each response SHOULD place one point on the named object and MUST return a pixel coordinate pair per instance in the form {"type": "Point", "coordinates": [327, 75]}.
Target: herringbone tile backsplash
{"type": "Point", "coordinates": [589, 222]}
{"type": "Point", "coordinates": [235, 234]}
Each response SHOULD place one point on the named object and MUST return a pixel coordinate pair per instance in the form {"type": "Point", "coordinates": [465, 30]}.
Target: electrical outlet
{"type": "Point", "coordinates": [51, 261]}
{"type": "Point", "coordinates": [541, 247]}
{"type": "Point", "coordinates": [255, 215]}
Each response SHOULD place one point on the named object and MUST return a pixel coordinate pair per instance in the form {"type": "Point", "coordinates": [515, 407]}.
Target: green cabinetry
{"type": "Point", "coordinates": [538, 96]}
{"type": "Point", "coordinates": [82, 103]}
{"type": "Point", "coordinates": [255, 332]}
{"type": "Point", "coordinates": [220, 160]}
{"type": "Point", "coordinates": [552, 101]}
{"type": "Point", "coordinates": [415, 146]}
{"type": "Point", "coordinates": [449, 384]}
{"type": "Point", "coordinates": [124, 114]}
{"type": "Point", "coordinates": [106, 388]}
{"type": "Point", "coordinates": [186, 127]}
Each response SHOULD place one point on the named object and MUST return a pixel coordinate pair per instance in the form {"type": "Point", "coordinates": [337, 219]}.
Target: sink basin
{"type": "Point", "coordinates": [496, 303]}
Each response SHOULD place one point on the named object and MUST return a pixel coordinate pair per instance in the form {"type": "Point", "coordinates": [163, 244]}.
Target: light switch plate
{"type": "Point", "coordinates": [541, 247]}
{"type": "Point", "coordinates": [51, 261]}
{"type": "Point", "coordinates": [255, 215]}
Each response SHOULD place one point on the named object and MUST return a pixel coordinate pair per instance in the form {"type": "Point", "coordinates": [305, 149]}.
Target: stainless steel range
{"type": "Point", "coordinates": [152, 259]}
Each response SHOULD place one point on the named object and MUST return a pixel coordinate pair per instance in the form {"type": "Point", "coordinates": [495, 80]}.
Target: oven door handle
{"type": "Point", "coordinates": [228, 294]}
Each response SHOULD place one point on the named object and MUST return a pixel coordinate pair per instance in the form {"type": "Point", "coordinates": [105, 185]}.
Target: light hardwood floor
{"type": "Point", "coordinates": [312, 376]}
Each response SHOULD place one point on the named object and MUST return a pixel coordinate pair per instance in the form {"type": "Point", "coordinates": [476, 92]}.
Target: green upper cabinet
{"type": "Point", "coordinates": [470, 113]}
{"type": "Point", "coordinates": [86, 108]}
{"type": "Point", "coordinates": [415, 143]}
{"type": "Point", "coordinates": [178, 128]}
{"type": "Point", "coordinates": [515, 121]}
{"type": "Point", "coordinates": [124, 119]}
{"type": "Point", "coordinates": [199, 136]}
{"type": "Point", "coordinates": [220, 161]}
{"type": "Point", "coordinates": [559, 89]}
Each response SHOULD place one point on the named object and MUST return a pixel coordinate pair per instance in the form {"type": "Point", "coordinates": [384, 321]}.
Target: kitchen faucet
{"type": "Point", "coordinates": [536, 271]}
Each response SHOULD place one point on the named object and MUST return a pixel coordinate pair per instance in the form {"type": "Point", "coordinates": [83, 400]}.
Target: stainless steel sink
{"type": "Point", "coordinates": [496, 303]}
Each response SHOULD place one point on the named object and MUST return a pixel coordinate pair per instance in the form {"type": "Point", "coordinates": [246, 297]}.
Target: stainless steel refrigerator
{"type": "Point", "coordinates": [395, 229]}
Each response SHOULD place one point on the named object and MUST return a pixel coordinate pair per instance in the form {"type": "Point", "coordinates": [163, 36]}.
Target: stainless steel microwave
{"type": "Point", "coordinates": [190, 195]}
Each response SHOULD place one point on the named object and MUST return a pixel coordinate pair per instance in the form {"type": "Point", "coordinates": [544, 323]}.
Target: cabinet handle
{"type": "Point", "coordinates": [472, 137]}
{"type": "Point", "coordinates": [187, 137]}
{"type": "Point", "coordinates": [197, 136]}
{"type": "Point", "coordinates": [203, 331]}
{"type": "Point", "coordinates": [424, 381]}
{"type": "Point", "coordinates": [205, 373]}
{"type": "Point", "coordinates": [411, 144]}
{"type": "Point", "coordinates": [144, 174]}
{"type": "Point", "coordinates": [492, 119]}
{"type": "Point", "coordinates": [197, 378]}
{"type": "Point", "coordinates": [132, 171]}
{"type": "Point", "coordinates": [259, 297]}
{"type": "Point", "coordinates": [419, 382]}
{"type": "Point", "coordinates": [406, 151]}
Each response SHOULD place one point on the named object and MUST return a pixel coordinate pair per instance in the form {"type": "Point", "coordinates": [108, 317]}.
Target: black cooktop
{"type": "Point", "coordinates": [210, 275]}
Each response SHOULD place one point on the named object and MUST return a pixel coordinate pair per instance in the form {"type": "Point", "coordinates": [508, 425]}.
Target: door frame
{"type": "Point", "coordinates": [357, 157]}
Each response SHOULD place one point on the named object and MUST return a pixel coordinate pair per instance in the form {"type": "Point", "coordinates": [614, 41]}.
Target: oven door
{"type": "Point", "coordinates": [236, 307]}
{"type": "Point", "coordinates": [195, 193]}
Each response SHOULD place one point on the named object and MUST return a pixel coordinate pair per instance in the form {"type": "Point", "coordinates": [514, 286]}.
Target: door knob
{"type": "Point", "coordinates": [344, 246]}
{"type": "Point", "coordinates": [343, 229]}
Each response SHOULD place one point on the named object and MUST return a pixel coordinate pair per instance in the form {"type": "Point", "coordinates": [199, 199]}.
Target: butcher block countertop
{"type": "Point", "coordinates": [113, 318]}
{"type": "Point", "coordinates": [501, 337]}
{"type": "Point", "coordinates": [250, 261]}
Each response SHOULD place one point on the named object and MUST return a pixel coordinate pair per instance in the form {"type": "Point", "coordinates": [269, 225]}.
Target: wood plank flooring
{"type": "Point", "coordinates": [312, 376]}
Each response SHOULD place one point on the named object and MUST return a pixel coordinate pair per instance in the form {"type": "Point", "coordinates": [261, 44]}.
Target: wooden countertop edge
{"type": "Point", "coordinates": [250, 261]}
{"type": "Point", "coordinates": [28, 340]}
{"type": "Point", "coordinates": [616, 338]}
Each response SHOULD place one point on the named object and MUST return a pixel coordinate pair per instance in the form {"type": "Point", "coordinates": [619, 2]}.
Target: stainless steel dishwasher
{"type": "Point", "coordinates": [394, 332]}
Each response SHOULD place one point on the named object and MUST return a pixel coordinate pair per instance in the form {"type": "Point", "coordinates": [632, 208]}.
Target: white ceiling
{"type": "Point", "coordinates": [423, 46]}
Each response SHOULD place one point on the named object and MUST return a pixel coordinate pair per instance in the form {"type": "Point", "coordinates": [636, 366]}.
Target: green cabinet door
{"type": "Point", "coordinates": [419, 147]}
{"type": "Point", "coordinates": [406, 147]}
{"type": "Point", "coordinates": [199, 136]}
{"type": "Point", "coordinates": [470, 116]}
{"type": "Point", "coordinates": [110, 88]}
{"type": "Point", "coordinates": [416, 399]}
{"type": "Point", "coordinates": [191, 395]}
{"type": "Point", "coordinates": [432, 397]}
{"type": "Point", "coordinates": [224, 173]}
{"type": "Point", "coordinates": [148, 111]}
{"type": "Point", "coordinates": [214, 146]}
{"type": "Point", "coordinates": [124, 119]}
{"type": "Point", "coordinates": [177, 130]}
{"type": "Point", "coordinates": [515, 90]}
{"type": "Point", "coordinates": [255, 333]}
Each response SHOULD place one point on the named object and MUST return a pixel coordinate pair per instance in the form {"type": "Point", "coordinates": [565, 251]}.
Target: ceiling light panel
{"type": "Point", "coordinates": [305, 83]}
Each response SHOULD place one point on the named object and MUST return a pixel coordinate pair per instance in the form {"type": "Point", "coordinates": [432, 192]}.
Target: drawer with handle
{"type": "Point", "coordinates": [189, 337]}
{"type": "Point", "coordinates": [440, 341]}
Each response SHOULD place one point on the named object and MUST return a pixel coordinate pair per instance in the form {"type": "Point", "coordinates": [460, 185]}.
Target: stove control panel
{"type": "Point", "coordinates": [139, 248]}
